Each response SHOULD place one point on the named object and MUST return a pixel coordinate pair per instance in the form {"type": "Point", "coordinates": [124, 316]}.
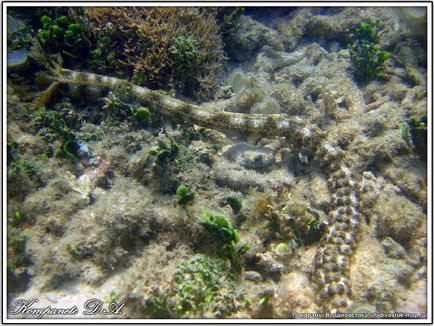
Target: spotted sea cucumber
{"type": "Point", "coordinates": [332, 261]}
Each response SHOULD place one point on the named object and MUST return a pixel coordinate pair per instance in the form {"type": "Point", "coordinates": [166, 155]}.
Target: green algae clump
{"type": "Point", "coordinates": [234, 203]}
{"type": "Point", "coordinates": [226, 238]}
{"type": "Point", "coordinates": [203, 287]}
{"type": "Point", "coordinates": [184, 51]}
{"type": "Point", "coordinates": [184, 195]}
{"type": "Point", "coordinates": [366, 56]}
{"type": "Point", "coordinates": [142, 114]}
{"type": "Point", "coordinates": [220, 227]}
{"type": "Point", "coordinates": [416, 134]}
{"type": "Point", "coordinates": [62, 35]}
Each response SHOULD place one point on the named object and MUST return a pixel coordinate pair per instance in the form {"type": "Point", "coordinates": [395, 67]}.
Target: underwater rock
{"type": "Point", "coordinates": [249, 156]}
{"type": "Point", "coordinates": [413, 18]}
{"type": "Point", "coordinates": [324, 24]}
{"type": "Point", "coordinates": [30, 144]}
{"type": "Point", "coordinates": [13, 25]}
{"type": "Point", "coordinates": [400, 269]}
{"type": "Point", "coordinates": [249, 38]}
{"type": "Point", "coordinates": [415, 299]}
{"type": "Point", "coordinates": [52, 298]}
{"type": "Point", "coordinates": [235, 177]}
{"type": "Point", "coordinates": [54, 198]}
{"type": "Point", "coordinates": [369, 189]}
{"type": "Point", "coordinates": [201, 151]}
{"type": "Point", "coordinates": [398, 217]}
{"type": "Point", "coordinates": [253, 276]}
{"type": "Point", "coordinates": [268, 265]}
{"type": "Point", "coordinates": [375, 283]}
{"type": "Point", "coordinates": [279, 59]}
{"type": "Point", "coordinates": [267, 106]}
{"type": "Point", "coordinates": [17, 60]}
{"type": "Point", "coordinates": [91, 230]}
{"type": "Point", "coordinates": [392, 248]}
{"type": "Point", "coordinates": [295, 294]}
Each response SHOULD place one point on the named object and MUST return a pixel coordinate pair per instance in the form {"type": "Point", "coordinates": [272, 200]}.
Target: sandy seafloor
{"type": "Point", "coordinates": [120, 235]}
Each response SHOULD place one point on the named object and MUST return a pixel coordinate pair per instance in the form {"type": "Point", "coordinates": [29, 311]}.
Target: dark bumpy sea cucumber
{"type": "Point", "coordinates": [332, 261]}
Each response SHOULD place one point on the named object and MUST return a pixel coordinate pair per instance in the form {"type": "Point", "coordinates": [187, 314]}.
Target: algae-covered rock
{"type": "Point", "coordinates": [203, 288]}
{"type": "Point", "coordinates": [398, 217]}
{"type": "Point", "coordinates": [414, 19]}
{"type": "Point", "coordinates": [295, 294]}
{"type": "Point", "coordinates": [392, 248]}
{"type": "Point", "coordinates": [374, 284]}
{"type": "Point", "coordinates": [253, 276]}
{"type": "Point", "coordinates": [17, 60]}
{"type": "Point", "coordinates": [250, 157]}
{"type": "Point", "coordinates": [250, 37]}
{"type": "Point", "coordinates": [235, 177]}
{"type": "Point", "coordinates": [268, 106]}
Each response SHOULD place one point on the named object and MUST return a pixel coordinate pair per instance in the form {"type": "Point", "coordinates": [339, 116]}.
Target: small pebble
{"type": "Point", "coordinates": [253, 276]}
{"type": "Point", "coordinates": [52, 298]}
{"type": "Point", "coordinates": [393, 249]}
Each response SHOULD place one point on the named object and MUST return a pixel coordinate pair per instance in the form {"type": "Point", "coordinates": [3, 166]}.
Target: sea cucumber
{"type": "Point", "coordinates": [332, 261]}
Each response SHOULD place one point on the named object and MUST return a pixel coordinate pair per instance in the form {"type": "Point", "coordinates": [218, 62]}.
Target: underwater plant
{"type": "Point", "coordinates": [235, 204]}
{"type": "Point", "coordinates": [17, 262]}
{"type": "Point", "coordinates": [159, 306]}
{"type": "Point", "coordinates": [62, 35]}
{"type": "Point", "coordinates": [314, 230]}
{"type": "Point", "coordinates": [112, 103]}
{"type": "Point", "coordinates": [291, 220]}
{"type": "Point", "coordinates": [18, 34]}
{"type": "Point", "coordinates": [230, 20]}
{"type": "Point", "coordinates": [27, 167]}
{"type": "Point", "coordinates": [366, 56]}
{"type": "Point", "coordinates": [52, 126]}
{"type": "Point", "coordinates": [184, 195]}
{"type": "Point", "coordinates": [17, 218]}
{"type": "Point", "coordinates": [184, 51]}
{"type": "Point", "coordinates": [117, 106]}
{"type": "Point", "coordinates": [141, 114]}
{"type": "Point", "coordinates": [220, 227]}
{"type": "Point", "coordinates": [183, 54]}
{"type": "Point", "coordinates": [285, 248]}
{"type": "Point", "coordinates": [164, 152]}
{"type": "Point", "coordinates": [202, 287]}
{"type": "Point", "coordinates": [226, 237]}
{"type": "Point", "coordinates": [200, 282]}
{"type": "Point", "coordinates": [415, 132]}
{"type": "Point", "coordinates": [102, 58]}
{"type": "Point", "coordinates": [70, 147]}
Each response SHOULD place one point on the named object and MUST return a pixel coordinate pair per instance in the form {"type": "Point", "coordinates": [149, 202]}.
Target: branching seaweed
{"type": "Point", "coordinates": [367, 58]}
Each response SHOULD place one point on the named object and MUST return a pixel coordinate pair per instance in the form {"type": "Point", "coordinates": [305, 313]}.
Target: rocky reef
{"type": "Point", "coordinates": [297, 189]}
